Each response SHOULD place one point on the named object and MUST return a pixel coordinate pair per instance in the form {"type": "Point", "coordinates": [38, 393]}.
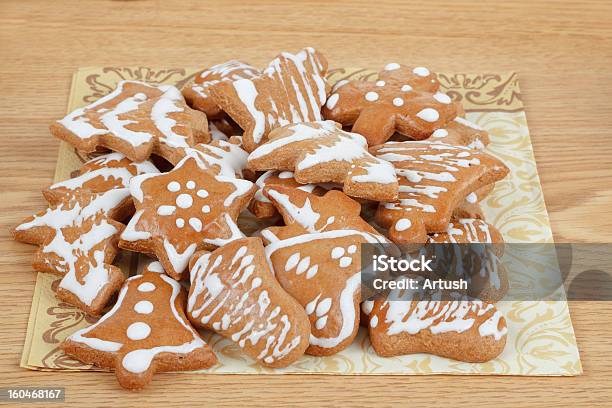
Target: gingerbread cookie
{"type": "Point", "coordinates": [136, 119]}
{"type": "Point", "coordinates": [402, 99]}
{"type": "Point", "coordinates": [196, 91]}
{"type": "Point", "coordinates": [320, 152]}
{"type": "Point", "coordinates": [187, 209]}
{"type": "Point", "coordinates": [234, 293]}
{"type": "Point", "coordinates": [316, 259]}
{"type": "Point", "coordinates": [146, 332]}
{"type": "Point", "coordinates": [409, 322]}
{"type": "Point", "coordinates": [98, 175]}
{"type": "Point", "coordinates": [291, 89]}
{"type": "Point", "coordinates": [262, 207]}
{"type": "Point", "coordinates": [481, 266]}
{"type": "Point", "coordinates": [78, 233]}
{"type": "Point", "coordinates": [434, 179]}
{"type": "Point", "coordinates": [461, 132]}
{"type": "Point", "coordinates": [225, 158]}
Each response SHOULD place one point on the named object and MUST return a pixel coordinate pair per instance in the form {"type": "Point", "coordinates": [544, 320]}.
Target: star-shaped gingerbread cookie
{"type": "Point", "coordinates": [187, 209]}
{"type": "Point", "coordinates": [316, 259]}
{"type": "Point", "coordinates": [402, 99]}
{"type": "Point", "coordinates": [434, 179]}
{"type": "Point", "coordinates": [136, 119]}
{"type": "Point", "coordinates": [78, 233]}
{"type": "Point", "coordinates": [291, 89]}
{"type": "Point", "coordinates": [321, 152]}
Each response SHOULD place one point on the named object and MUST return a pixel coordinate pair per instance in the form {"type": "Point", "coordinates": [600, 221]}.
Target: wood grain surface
{"type": "Point", "coordinates": [562, 51]}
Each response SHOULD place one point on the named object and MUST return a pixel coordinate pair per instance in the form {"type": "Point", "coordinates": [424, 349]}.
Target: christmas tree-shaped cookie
{"type": "Point", "coordinates": [144, 333]}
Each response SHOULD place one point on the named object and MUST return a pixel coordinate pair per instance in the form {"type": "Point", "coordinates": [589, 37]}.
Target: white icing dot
{"type": "Point", "coordinates": [312, 271]}
{"type": "Point", "coordinates": [392, 66]}
{"type": "Point", "coordinates": [202, 193]}
{"type": "Point", "coordinates": [174, 186]}
{"type": "Point", "coordinates": [352, 249]}
{"type": "Point", "coordinates": [166, 209]}
{"type": "Point", "coordinates": [146, 287]}
{"type": "Point", "coordinates": [345, 261]}
{"type": "Point", "coordinates": [374, 321]}
{"type": "Point", "coordinates": [155, 266]}
{"type": "Point", "coordinates": [302, 266]}
{"type": "Point", "coordinates": [429, 115]}
{"type": "Point", "coordinates": [196, 224]}
{"type": "Point", "coordinates": [205, 209]}
{"type": "Point", "coordinates": [421, 71]}
{"type": "Point", "coordinates": [403, 224]}
{"type": "Point", "coordinates": [371, 96]}
{"type": "Point", "coordinates": [337, 252]}
{"type": "Point", "coordinates": [442, 98]}
{"type": "Point", "coordinates": [332, 101]}
{"type": "Point", "coordinates": [140, 96]}
{"type": "Point", "coordinates": [190, 184]}
{"type": "Point", "coordinates": [406, 88]}
{"type": "Point", "coordinates": [471, 198]}
{"type": "Point", "coordinates": [440, 133]}
{"type": "Point", "coordinates": [143, 307]}
{"type": "Point", "coordinates": [323, 307]}
{"type": "Point", "coordinates": [184, 200]}
{"type": "Point", "coordinates": [380, 83]}
{"type": "Point", "coordinates": [320, 323]}
{"type": "Point", "coordinates": [256, 283]}
{"type": "Point", "coordinates": [180, 222]}
{"type": "Point", "coordinates": [285, 174]}
{"type": "Point", "coordinates": [292, 261]}
{"type": "Point", "coordinates": [138, 331]}
{"type": "Point", "coordinates": [398, 101]}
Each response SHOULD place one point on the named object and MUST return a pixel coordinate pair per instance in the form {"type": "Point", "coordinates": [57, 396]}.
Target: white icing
{"type": "Point", "coordinates": [332, 101]}
{"type": "Point", "coordinates": [144, 307]}
{"type": "Point", "coordinates": [428, 115]}
{"type": "Point", "coordinates": [392, 66]}
{"type": "Point", "coordinates": [138, 331]}
{"type": "Point", "coordinates": [371, 96]}
{"type": "Point", "coordinates": [442, 98]}
{"type": "Point", "coordinates": [421, 71]}
{"type": "Point", "coordinates": [403, 224]}
{"type": "Point", "coordinates": [398, 102]}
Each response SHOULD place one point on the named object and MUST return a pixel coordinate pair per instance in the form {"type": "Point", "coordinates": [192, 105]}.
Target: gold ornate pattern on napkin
{"type": "Point", "coordinates": [541, 339]}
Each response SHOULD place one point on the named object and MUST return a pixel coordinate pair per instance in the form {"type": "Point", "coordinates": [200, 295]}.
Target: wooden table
{"type": "Point", "coordinates": [563, 52]}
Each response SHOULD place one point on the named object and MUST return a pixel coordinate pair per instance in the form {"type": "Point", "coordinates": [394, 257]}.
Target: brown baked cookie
{"type": "Point", "coordinates": [78, 233]}
{"type": "Point", "coordinates": [410, 322]}
{"type": "Point", "coordinates": [136, 119]}
{"type": "Point", "coordinates": [234, 293]}
{"type": "Point", "coordinates": [187, 209]}
{"type": "Point", "coordinates": [196, 90]}
{"type": "Point", "coordinates": [291, 89]}
{"type": "Point", "coordinates": [434, 179]}
{"type": "Point", "coordinates": [461, 132]}
{"type": "Point", "coordinates": [321, 152]}
{"type": "Point", "coordinates": [146, 332]}
{"type": "Point", "coordinates": [98, 175]}
{"type": "Point", "coordinates": [403, 99]}
{"type": "Point", "coordinates": [262, 207]}
{"type": "Point", "coordinates": [225, 158]}
{"type": "Point", "coordinates": [316, 259]}
{"type": "Point", "coordinates": [483, 270]}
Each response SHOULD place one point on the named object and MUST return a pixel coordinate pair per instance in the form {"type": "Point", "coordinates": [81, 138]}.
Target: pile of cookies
{"type": "Point", "coordinates": [326, 168]}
